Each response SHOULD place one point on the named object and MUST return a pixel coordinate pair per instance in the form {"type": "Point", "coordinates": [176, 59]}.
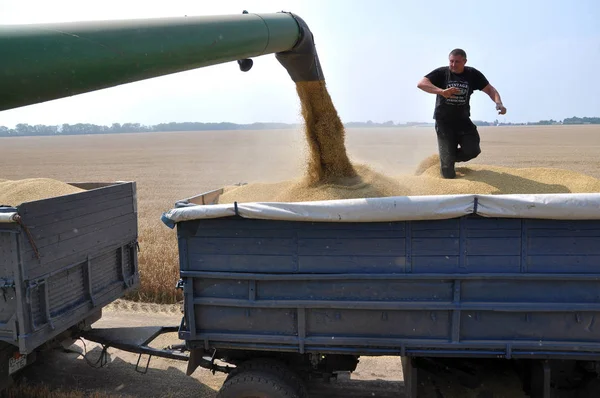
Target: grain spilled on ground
{"type": "Point", "coordinates": [15, 192]}
{"type": "Point", "coordinates": [474, 179]}
{"type": "Point", "coordinates": [120, 305]}
{"type": "Point", "coordinates": [328, 161]}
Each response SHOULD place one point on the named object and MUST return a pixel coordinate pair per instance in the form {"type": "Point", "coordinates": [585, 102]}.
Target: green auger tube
{"type": "Point", "coordinates": [43, 62]}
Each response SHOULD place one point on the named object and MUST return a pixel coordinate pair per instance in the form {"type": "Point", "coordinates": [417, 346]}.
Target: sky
{"type": "Point", "coordinates": [542, 57]}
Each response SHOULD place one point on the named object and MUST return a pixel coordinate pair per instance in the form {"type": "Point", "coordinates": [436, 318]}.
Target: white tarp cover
{"type": "Point", "coordinates": [403, 208]}
{"type": "Point", "coordinates": [7, 217]}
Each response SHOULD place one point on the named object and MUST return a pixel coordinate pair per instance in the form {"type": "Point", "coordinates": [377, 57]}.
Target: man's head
{"type": "Point", "coordinates": [457, 60]}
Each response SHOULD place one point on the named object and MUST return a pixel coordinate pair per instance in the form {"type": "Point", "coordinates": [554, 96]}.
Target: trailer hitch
{"type": "Point", "coordinates": [137, 339]}
{"type": "Point", "coordinates": [198, 359]}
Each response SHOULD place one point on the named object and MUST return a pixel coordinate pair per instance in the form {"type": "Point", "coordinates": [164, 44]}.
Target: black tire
{"type": "Point", "coordinates": [276, 368]}
{"type": "Point", "coordinates": [256, 384]}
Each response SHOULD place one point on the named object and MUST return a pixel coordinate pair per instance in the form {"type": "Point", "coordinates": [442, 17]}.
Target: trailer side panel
{"type": "Point", "coordinates": [469, 286]}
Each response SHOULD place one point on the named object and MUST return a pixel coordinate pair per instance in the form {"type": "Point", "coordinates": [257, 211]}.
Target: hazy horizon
{"type": "Point", "coordinates": [373, 53]}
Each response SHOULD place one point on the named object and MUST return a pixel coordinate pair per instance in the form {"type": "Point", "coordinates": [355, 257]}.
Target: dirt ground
{"type": "Point", "coordinates": [377, 377]}
{"type": "Point", "coordinates": [172, 166]}
{"type": "Point", "coordinates": [374, 377]}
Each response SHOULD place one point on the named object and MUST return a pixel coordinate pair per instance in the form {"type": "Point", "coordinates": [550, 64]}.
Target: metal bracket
{"type": "Point", "coordinates": [197, 359]}
{"type": "Point", "coordinates": [212, 362]}
{"type": "Point", "coordinates": [411, 380]}
{"type": "Point", "coordinates": [47, 306]}
{"type": "Point", "coordinates": [541, 379]}
{"type": "Point", "coordinates": [6, 283]}
{"type": "Point", "coordinates": [36, 284]}
{"type": "Point", "coordinates": [246, 63]}
{"type": "Point", "coordinates": [104, 356]}
{"type": "Point", "coordinates": [138, 364]}
{"type": "Point", "coordinates": [136, 339]}
{"type": "Point", "coordinates": [87, 270]}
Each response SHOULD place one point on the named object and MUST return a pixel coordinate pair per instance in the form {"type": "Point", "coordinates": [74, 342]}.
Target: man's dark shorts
{"type": "Point", "coordinates": [454, 133]}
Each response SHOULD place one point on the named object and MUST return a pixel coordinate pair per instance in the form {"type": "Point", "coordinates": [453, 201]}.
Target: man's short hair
{"type": "Point", "coordinates": [458, 51]}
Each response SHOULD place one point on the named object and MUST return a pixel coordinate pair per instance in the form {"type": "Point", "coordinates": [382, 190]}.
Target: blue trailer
{"type": "Point", "coordinates": [305, 289]}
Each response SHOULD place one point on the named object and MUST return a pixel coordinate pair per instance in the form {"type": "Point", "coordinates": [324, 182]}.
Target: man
{"type": "Point", "coordinates": [453, 86]}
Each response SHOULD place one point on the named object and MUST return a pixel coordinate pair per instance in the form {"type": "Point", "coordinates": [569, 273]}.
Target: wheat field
{"type": "Point", "coordinates": [172, 166]}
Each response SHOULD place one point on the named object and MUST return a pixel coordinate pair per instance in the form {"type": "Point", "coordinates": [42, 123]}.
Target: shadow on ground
{"type": "Point", "coordinates": [65, 370]}
{"type": "Point", "coordinates": [165, 378]}
{"type": "Point", "coordinates": [505, 183]}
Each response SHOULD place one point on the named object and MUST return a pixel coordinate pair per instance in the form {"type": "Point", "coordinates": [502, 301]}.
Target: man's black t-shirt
{"type": "Point", "coordinates": [458, 106]}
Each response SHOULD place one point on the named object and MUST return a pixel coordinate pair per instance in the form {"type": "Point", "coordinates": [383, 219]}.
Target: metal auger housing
{"type": "Point", "coordinates": [43, 62]}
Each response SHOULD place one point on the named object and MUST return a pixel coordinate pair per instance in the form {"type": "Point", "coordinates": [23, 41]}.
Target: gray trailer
{"type": "Point", "coordinates": [61, 260]}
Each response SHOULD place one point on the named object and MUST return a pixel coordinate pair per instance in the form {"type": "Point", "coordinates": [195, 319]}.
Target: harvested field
{"type": "Point", "coordinates": [172, 166]}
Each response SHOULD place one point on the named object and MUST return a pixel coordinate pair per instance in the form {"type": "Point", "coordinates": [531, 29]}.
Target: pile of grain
{"type": "Point", "coordinates": [427, 163]}
{"type": "Point", "coordinates": [328, 161]}
{"type": "Point", "coordinates": [15, 192]}
{"type": "Point", "coordinates": [330, 174]}
{"type": "Point", "coordinates": [367, 184]}
{"type": "Point", "coordinates": [474, 179]}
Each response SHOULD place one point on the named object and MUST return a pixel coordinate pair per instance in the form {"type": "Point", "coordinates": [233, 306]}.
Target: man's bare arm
{"type": "Point", "coordinates": [493, 93]}
{"type": "Point", "coordinates": [426, 85]}
{"type": "Point", "coordinates": [495, 96]}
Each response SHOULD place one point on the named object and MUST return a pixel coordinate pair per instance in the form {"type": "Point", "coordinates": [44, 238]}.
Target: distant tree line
{"type": "Point", "coordinates": [582, 120]}
{"type": "Point", "coordinates": [571, 120]}
{"type": "Point", "coordinates": [24, 129]}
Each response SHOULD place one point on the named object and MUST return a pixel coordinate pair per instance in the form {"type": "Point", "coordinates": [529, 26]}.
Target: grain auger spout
{"type": "Point", "coordinates": [43, 62]}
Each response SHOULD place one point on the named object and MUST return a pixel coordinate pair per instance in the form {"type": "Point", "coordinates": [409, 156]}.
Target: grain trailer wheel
{"type": "Point", "coordinates": [276, 368]}
{"type": "Point", "coordinates": [256, 384]}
